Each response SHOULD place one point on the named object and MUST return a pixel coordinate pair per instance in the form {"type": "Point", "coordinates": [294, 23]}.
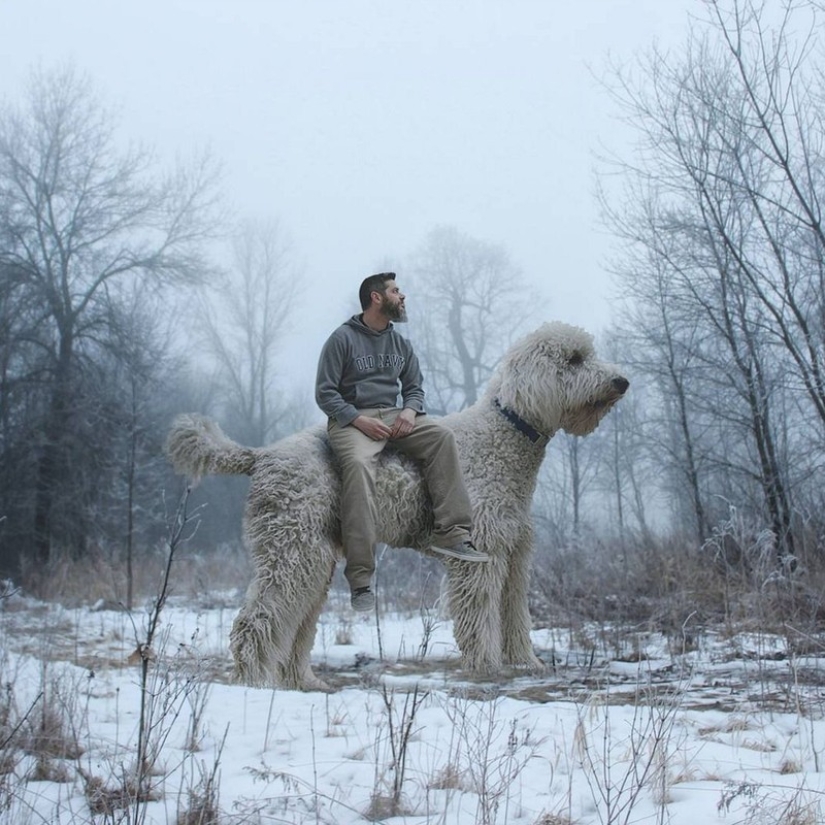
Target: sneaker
{"type": "Point", "coordinates": [362, 600]}
{"type": "Point", "coordinates": [464, 551]}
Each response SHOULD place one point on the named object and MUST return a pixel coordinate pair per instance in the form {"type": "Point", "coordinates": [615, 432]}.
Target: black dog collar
{"type": "Point", "coordinates": [519, 423]}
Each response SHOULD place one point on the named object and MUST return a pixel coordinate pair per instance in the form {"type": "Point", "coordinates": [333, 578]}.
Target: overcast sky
{"type": "Point", "coordinates": [362, 125]}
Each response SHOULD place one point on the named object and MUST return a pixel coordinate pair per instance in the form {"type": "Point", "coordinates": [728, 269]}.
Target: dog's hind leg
{"type": "Point", "coordinates": [272, 637]}
{"type": "Point", "coordinates": [259, 639]}
{"type": "Point", "coordinates": [297, 672]}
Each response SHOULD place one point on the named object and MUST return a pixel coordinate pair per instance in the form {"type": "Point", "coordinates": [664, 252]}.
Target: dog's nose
{"type": "Point", "coordinates": [621, 385]}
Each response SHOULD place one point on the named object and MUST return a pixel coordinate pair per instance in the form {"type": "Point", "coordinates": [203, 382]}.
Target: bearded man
{"type": "Point", "coordinates": [364, 367]}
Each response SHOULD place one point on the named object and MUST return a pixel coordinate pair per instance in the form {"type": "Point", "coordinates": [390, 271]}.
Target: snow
{"type": "Point", "coordinates": [731, 730]}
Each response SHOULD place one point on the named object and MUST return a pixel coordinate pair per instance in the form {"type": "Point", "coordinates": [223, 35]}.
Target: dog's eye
{"type": "Point", "coordinates": [576, 359]}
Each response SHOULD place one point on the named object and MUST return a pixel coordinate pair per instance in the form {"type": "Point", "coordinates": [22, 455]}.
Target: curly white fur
{"type": "Point", "coordinates": [551, 379]}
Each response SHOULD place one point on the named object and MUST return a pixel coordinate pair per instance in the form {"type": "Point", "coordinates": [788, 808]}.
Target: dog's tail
{"type": "Point", "coordinates": [197, 446]}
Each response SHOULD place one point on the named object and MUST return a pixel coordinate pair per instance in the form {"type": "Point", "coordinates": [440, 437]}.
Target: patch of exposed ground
{"type": "Point", "coordinates": [722, 673]}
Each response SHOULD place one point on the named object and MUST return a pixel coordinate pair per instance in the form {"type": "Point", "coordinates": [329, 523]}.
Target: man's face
{"type": "Point", "coordinates": [392, 303]}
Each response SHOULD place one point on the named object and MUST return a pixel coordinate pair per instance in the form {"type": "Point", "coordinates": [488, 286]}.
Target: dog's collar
{"type": "Point", "coordinates": [519, 423]}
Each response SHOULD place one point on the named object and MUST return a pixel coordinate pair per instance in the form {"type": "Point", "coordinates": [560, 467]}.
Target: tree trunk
{"type": "Point", "coordinates": [51, 465]}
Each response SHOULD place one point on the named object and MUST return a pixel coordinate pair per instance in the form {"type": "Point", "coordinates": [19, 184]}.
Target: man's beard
{"type": "Point", "coordinates": [395, 312]}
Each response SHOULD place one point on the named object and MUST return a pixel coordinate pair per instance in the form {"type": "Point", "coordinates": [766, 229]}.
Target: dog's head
{"type": "Point", "coordinates": [553, 379]}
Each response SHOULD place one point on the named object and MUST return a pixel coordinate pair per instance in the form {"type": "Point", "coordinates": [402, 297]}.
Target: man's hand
{"type": "Point", "coordinates": [375, 428]}
{"type": "Point", "coordinates": [403, 424]}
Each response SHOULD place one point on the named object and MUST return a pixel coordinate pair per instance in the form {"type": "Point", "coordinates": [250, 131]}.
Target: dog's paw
{"type": "Point", "coordinates": [530, 664]}
{"type": "Point", "coordinates": [313, 684]}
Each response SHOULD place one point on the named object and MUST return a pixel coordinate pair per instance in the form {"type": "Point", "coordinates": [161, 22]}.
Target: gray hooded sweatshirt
{"type": "Point", "coordinates": [361, 368]}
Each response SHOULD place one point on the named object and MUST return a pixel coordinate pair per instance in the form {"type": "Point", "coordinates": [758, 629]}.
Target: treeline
{"type": "Point", "coordinates": [91, 240]}
{"type": "Point", "coordinates": [114, 314]}
{"type": "Point", "coordinates": [723, 271]}
{"type": "Point", "coordinates": [719, 266]}
{"type": "Point", "coordinates": [709, 478]}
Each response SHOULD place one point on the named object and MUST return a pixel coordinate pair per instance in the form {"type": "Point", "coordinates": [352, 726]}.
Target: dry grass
{"type": "Point", "coordinates": [383, 806]}
{"type": "Point", "coordinates": [554, 819]}
{"type": "Point", "coordinates": [677, 588]}
{"type": "Point", "coordinates": [666, 585]}
{"type": "Point", "coordinates": [47, 734]}
{"type": "Point", "coordinates": [208, 579]}
{"type": "Point", "coordinates": [107, 797]}
{"type": "Point", "coordinates": [202, 808]}
{"type": "Point", "coordinates": [449, 778]}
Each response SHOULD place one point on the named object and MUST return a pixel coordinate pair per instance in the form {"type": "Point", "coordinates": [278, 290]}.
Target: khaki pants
{"type": "Point", "coordinates": [434, 446]}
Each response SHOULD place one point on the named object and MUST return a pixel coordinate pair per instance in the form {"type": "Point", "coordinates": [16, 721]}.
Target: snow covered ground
{"type": "Point", "coordinates": [622, 727]}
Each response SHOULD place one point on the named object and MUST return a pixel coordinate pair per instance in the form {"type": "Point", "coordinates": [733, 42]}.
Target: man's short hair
{"type": "Point", "coordinates": [375, 283]}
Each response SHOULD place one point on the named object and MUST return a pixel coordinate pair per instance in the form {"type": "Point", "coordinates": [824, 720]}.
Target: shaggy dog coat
{"type": "Point", "coordinates": [548, 381]}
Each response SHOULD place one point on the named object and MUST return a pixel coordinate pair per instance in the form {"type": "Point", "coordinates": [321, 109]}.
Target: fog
{"type": "Point", "coordinates": [360, 126]}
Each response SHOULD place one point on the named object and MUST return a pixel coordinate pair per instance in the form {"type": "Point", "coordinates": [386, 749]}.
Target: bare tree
{"type": "Point", "coordinates": [246, 316]}
{"type": "Point", "coordinates": [140, 375]}
{"type": "Point", "coordinates": [82, 219]}
{"type": "Point", "coordinates": [724, 195]}
{"type": "Point", "coordinates": [20, 402]}
{"type": "Point", "coordinates": [580, 463]}
{"type": "Point", "coordinates": [662, 339]}
{"type": "Point", "coordinates": [626, 476]}
{"type": "Point", "coordinates": [474, 299]}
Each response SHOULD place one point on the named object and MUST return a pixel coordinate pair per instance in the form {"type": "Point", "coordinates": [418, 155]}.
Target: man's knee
{"type": "Point", "coordinates": [441, 435]}
{"type": "Point", "coordinates": [434, 428]}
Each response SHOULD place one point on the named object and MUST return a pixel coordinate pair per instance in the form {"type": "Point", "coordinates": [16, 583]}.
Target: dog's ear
{"type": "Point", "coordinates": [521, 374]}
{"type": "Point", "coordinates": [508, 388]}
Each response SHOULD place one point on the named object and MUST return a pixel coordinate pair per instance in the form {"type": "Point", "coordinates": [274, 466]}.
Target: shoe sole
{"type": "Point", "coordinates": [446, 551]}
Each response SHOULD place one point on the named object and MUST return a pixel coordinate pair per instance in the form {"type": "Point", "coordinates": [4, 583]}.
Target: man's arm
{"type": "Point", "coordinates": [412, 383]}
{"type": "Point", "coordinates": [412, 394]}
{"type": "Point", "coordinates": [328, 382]}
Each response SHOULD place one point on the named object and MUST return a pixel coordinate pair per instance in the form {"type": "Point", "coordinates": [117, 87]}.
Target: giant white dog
{"type": "Point", "coordinates": [550, 380]}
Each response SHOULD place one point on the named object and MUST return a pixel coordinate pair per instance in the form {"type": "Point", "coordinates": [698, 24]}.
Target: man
{"type": "Point", "coordinates": [364, 365]}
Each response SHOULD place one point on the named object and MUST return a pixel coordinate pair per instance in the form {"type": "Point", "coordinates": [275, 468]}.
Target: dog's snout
{"type": "Point", "coordinates": [621, 385]}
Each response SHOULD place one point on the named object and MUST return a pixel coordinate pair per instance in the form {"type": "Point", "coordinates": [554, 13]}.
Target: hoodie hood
{"type": "Point", "coordinates": [357, 322]}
